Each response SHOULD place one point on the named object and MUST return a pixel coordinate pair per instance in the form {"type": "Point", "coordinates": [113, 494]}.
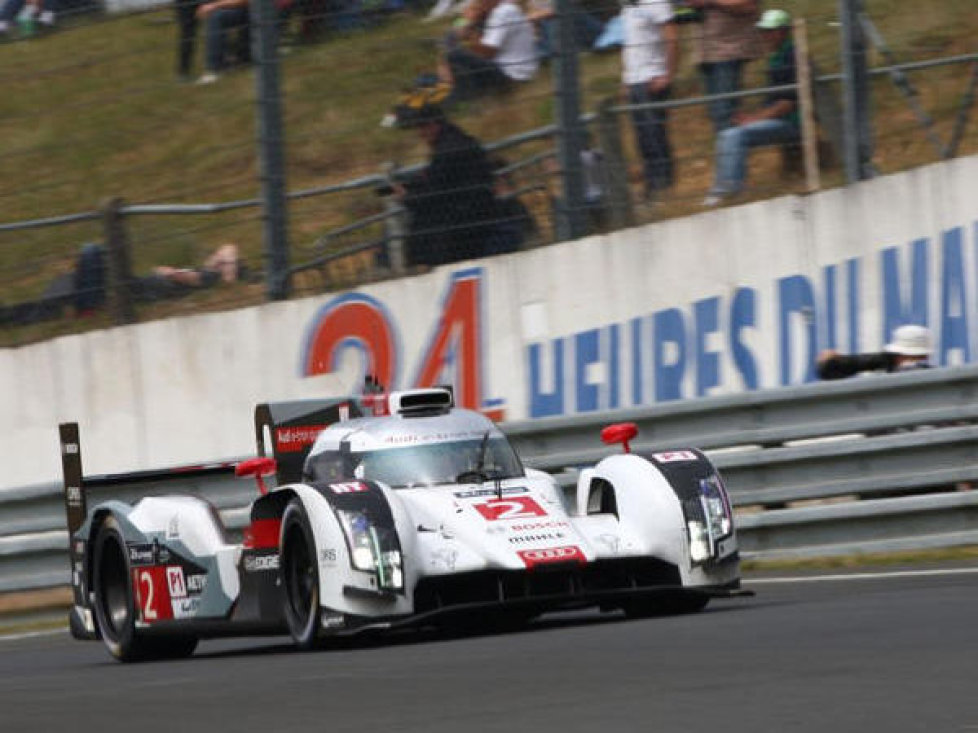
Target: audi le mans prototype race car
{"type": "Point", "coordinates": [420, 516]}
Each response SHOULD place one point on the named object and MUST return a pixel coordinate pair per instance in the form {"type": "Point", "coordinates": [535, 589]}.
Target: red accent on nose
{"type": "Point", "coordinates": [621, 432]}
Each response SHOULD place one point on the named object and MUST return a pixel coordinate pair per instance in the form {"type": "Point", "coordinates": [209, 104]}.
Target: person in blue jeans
{"type": "Point", "coordinates": [220, 17]}
{"type": "Point", "coordinates": [650, 57]}
{"type": "Point", "coordinates": [726, 40]}
{"type": "Point", "coordinates": [776, 123]}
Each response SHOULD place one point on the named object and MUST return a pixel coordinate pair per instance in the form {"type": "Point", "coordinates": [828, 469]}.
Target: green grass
{"type": "Point", "coordinates": [915, 558]}
{"type": "Point", "coordinates": [94, 111]}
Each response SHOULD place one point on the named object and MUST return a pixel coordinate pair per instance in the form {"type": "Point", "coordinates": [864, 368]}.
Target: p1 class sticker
{"type": "Point", "coordinates": [675, 456]}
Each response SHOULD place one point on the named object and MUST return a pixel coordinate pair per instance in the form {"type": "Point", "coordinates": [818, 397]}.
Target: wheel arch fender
{"type": "Point", "coordinates": [330, 542]}
{"type": "Point", "coordinates": [644, 501]}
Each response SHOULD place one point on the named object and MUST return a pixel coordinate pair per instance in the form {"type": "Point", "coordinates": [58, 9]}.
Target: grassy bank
{"type": "Point", "coordinates": [94, 110]}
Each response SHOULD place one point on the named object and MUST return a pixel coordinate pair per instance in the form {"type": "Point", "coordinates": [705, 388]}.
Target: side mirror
{"type": "Point", "coordinates": [257, 467]}
{"type": "Point", "coordinates": [621, 432]}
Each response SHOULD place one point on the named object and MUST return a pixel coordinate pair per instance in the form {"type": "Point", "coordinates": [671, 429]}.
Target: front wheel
{"type": "Point", "coordinates": [300, 577]}
{"type": "Point", "coordinates": [115, 611]}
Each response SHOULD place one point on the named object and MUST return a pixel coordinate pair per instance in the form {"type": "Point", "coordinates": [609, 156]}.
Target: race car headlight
{"type": "Point", "coordinates": [699, 542]}
{"type": "Point", "coordinates": [716, 507]}
{"type": "Point", "coordinates": [372, 550]}
{"type": "Point", "coordinates": [709, 519]}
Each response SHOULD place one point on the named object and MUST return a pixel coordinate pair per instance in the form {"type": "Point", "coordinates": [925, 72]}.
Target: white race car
{"type": "Point", "coordinates": [422, 515]}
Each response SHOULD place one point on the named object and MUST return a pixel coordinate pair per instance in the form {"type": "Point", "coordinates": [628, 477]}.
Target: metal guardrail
{"type": "Point", "coordinates": [880, 463]}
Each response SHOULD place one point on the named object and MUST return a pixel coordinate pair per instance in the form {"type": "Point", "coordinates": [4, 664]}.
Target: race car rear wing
{"type": "Point", "coordinates": [287, 430]}
{"type": "Point", "coordinates": [78, 486]}
{"type": "Point", "coordinates": [71, 469]}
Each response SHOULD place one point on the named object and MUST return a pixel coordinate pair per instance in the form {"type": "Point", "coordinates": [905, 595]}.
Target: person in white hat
{"type": "Point", "coordinates": [909, 348]}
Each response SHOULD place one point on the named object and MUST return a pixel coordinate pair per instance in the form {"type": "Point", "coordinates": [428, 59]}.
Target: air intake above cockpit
{"type": "Point", "coordinates": [417, 402]}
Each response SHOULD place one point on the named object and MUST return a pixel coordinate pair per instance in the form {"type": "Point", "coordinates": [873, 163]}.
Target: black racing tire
{"type": "Point", "coordinates": [115, 611]}
{"type": "Point", "coordinates": [299, 574]}
{"type": "Point", "coordinates": [674, 604]}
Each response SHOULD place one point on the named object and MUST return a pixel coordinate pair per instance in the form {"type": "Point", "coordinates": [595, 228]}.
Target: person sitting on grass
{"type": "Point", "coordinates": [494, 49]}
{"type": "Point", "coordinates": [776, 123]}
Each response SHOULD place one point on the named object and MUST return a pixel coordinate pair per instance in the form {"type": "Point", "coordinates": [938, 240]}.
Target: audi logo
{"type": "Point", "coordinates": [551, 553]}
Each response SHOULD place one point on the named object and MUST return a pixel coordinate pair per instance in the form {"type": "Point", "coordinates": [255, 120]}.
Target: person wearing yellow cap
{"type": "Point", "coordinates": [775, 123]}
{"type": "Point", "coordinates": [453, 208]}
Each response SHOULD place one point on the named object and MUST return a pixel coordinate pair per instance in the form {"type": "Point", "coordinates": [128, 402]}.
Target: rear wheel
{"type": "Point", "coordinates": [115, 611]}
{"type": "Point", "coordinates": [300, 577]}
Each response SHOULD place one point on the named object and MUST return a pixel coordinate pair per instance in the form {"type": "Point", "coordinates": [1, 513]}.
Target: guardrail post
{"type": "Point", "coordinates": [118, 290]}
{"type": "Point", "coordinates": [619, 200]}
{"type": "Point", "coordinates": [271, 144]}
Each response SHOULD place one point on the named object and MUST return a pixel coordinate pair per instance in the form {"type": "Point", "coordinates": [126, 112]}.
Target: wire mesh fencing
{"type": "Point", "coordinates": [413, 134]}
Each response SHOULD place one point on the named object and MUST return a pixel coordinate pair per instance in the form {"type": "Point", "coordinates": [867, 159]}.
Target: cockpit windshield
{"type": "Point", "coordinates": [481, 459]}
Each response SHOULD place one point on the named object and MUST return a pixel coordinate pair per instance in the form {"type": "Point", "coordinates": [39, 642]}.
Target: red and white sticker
{"type": "Point", "coordinates": [294, 439]}
{"type": "Point", "coordinates": [348, 487]}
{"type": "Point", "coordinates": [549, 555]}
{"type": "Point", "coordinates": [675, 456]}
{"type": "Point", "coordinates": [175, 582]}
{"type": "Point", "coordinates": [152, 593]}
{"type": "Point", "coordinates": [515, 507]}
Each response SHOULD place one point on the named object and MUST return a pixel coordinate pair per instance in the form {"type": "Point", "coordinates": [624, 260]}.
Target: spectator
{"type": "Point", "coordinates": [38, 13]}
{"type": "Point", "coordinates": [451, 202]}
{"type": "Point", "coordinates": [223, 265]}
{"type": "Point", "coordinates": [503, 55]}
{"type": "Point", "coordinates": [775, 123]}
{"type": "Point", "coordinates": [909, 349]}
{"type": "Point", "coordinates": [587, 27]}
{"type": "Point", "coordinates": [650, 56]}
{"type": "Point", "coordinates": [221, 17]}
{"type": "Point", "coordinates": [186, 17]}
{"type": "Point", "coordinates": [84, 287]}
{"type": "Point", "coordinates": [726, 40]}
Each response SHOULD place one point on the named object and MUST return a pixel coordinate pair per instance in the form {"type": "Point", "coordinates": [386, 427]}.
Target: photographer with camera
{"type": "Point", "coordinates": [453, 208]}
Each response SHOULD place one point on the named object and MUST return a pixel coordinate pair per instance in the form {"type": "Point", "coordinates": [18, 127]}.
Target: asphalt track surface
{"type": "Point", "coordinates": [876, 654]}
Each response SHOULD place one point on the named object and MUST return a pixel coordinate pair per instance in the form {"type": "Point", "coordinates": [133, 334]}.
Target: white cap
{"type": "Point", "coordinates": [910, 340]}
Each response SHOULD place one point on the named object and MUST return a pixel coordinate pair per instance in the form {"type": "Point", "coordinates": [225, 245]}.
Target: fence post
{"type": "Point", "coordinates": [395, 232]}
{"type": "Point", "coordinates": [620, 209]}
{"type": "Point", "coordinates": [271, 144]}
{"type": "Point", "coordinates": [118, 287]}
{"type": "Point", "coordinates": [809, 133]}
{"type": "Point", "coordinates": [570, 216]}
{"type": "Point", "coordinates": [855, 80]}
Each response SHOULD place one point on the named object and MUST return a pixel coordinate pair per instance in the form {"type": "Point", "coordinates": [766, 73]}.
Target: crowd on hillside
{"type": "Point", "coordinates": [495, 48]}
{"type": "Point", "coordinates": [460, 205]}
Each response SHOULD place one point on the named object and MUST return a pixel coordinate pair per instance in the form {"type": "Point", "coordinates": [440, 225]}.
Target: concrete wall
{"type": "Point", "coordinates": [735, 299]}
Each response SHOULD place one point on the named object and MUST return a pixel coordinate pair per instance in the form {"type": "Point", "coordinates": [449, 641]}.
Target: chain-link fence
{"type": "Point", "coordinates": [164, 134]}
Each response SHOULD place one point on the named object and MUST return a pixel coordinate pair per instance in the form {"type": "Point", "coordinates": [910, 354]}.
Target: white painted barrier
{"type": "Point", "coordinates": [728, 300]}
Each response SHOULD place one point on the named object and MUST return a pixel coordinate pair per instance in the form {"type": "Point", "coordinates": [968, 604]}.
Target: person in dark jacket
{"type": "Point", "coordinates": [454, 211]}
{"type": "Point", "coordinates": [909, 349]}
